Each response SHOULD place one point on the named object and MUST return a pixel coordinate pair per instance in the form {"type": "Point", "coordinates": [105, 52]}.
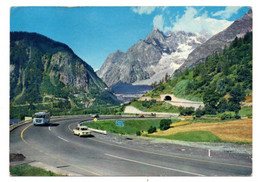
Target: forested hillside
{"type": "Point", "coordinates": [45, 74]}
{"type": "Point", "coordinates": [221, 82]}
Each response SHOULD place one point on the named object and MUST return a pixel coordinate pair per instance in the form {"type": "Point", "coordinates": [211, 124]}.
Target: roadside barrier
{"type": "Point", "coordinates": [12, 127]}
{"type": "Point", "coordinates": [98, 131]}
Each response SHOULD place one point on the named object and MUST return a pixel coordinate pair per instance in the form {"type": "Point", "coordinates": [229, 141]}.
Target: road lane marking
{"type": "Point", "coordinates": [49, 128]}
{"type": "Point", "coordinates": [153, 165]}
{"type": "Point", "coordinates": [62, 139]}
{"type": "Point", "coordinates": [23, 132]}
{"type": "Point", "coordinates": [53, 156]}
{"type": "Point", "coordinates": [70, 127]}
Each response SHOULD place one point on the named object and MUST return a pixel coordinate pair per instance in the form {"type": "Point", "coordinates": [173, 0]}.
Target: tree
{"type": "Point", "coordinates": [211, 99]}
{"type": "Point", "coordinates": [222, 105]}
{"type": "Point", "coordinates": [199, 112]}
{"type": "Point", "coordinates": [154, 84]}
{"type": "Point", "coordinates": [186, 111]}
{"type": "Point", "coordinates": [165, 124]}
{"type": "Point", "coordinates": [152, 129]}
{"type": "Point", "coordinates": [237, 95]}
{"type": "Point", "coordinates": [138, 133]}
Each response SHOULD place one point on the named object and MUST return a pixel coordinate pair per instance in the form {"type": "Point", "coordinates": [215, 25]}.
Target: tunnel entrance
{"type": "Point", "coordinates": [168, 98]}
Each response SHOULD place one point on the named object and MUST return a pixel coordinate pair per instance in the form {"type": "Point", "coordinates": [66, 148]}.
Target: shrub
{"type": "Point", "coordinates": [21, 117]}
{"type": "Point", "coordinates": [153, 114]}
{"type": "Point", "coordinates": [186, 111]}
{"type": "Point", "coordinates": [152, 129]}
{"type": "Point", "coordinates": [229, 115]}
{"type": "Point", "coordinates": [238, 117]}
{"type": "Point", "coordinates": [148, 104]}
{"type": "Point", "coordinates": [199, 112]}
{"type": "Point", "coordinates": [165, 124]}
{"type": "Point", "coordinates": [225, 116]}
{"type": "Point", "coordinates": [138, 133]}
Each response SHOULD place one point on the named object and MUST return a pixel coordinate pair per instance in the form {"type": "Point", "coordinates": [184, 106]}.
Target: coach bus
{"type": "Point", "coordinates": [41, 118]}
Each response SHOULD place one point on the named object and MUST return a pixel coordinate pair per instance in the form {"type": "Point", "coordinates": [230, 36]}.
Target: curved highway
{"type": "Point", "coordinates": [55, 145]}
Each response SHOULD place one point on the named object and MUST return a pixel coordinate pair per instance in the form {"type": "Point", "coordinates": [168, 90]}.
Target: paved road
{"type": "Point", "coordinates": [56, 146]}
{"type": "Point", "coordinates": [133, 110]}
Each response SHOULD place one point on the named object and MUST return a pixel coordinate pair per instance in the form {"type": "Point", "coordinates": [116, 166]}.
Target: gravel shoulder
{"type": "Point", "coordinates": [223, 151]}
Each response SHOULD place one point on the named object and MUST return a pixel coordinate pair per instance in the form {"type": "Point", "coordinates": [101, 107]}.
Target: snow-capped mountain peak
{"type": "Point", "coordinates": [150, 59]}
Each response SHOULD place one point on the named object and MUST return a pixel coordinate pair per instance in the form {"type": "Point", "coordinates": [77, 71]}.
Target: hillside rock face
{"type": "Point", "coordinates": [218, 42]}
{"type": "Point", "coordinates": [150, 59]}
{"type": "Point", "coordinates": [41, 67]}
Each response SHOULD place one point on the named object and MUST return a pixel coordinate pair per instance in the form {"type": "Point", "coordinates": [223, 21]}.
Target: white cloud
{"type": "Point", "coordinates": [191, 22]}
{"type": "Point", "coordinates": [158, 22]}
{"type": "Point", "coordinates": [143, 10]}
{"type": "Point", "coordinates": [227, 13]}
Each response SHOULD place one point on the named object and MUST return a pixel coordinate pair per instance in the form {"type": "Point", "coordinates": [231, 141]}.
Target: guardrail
{"type": "Point", "coordinates": [12, 127]}
{"type": "Point", "coordinates": [98, 131]}
{"type": "Point", "coordinates": [94, 130]}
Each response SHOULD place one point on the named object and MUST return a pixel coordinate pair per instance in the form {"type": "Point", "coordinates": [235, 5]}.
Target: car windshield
{"type": "Point", "coordinates": [39, 116]}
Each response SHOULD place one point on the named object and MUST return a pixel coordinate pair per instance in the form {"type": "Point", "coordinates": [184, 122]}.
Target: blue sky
{"type": "Point", "coordinates": [95, 32]}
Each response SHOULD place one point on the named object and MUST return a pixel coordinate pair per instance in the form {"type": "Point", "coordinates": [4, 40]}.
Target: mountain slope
{"type": "Point", "coordinates": [150, 59]}
{"type": "Point", "coordinates": [221, 82]}
{"type": "Point", "coordinates": [218, 42]}
{"type": "Point", "coordinates": [42, 69]}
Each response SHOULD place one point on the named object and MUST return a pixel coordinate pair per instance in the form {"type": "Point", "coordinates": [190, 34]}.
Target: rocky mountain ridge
{"type": "Point", "coordinates": [219, 41]}
{"type": "Point", "coordinates": [150, 59]}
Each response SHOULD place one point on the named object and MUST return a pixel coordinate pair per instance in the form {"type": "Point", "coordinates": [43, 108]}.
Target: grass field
{"type": "Point", "coordinates": [192, 136]}
{"type": "Point", "coordinates": [231, 131]}
{"type": "Point", "coordinates": [130, 126]}
{"type": "Point", "coordinates": [27, 170]}
{"type": "Point", "coordinates": [181, 123]}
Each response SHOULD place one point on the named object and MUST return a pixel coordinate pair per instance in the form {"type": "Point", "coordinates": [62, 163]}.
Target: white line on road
{"type": "Point", "coordinates": [62, 139]}
{"type": "Point", "coordinates": [49, 128]}
{"type": "Point", "coordinates": [153, 165]}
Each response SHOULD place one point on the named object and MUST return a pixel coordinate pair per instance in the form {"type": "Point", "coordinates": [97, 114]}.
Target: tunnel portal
{"type": "Point", "coordinates": [168, 98]}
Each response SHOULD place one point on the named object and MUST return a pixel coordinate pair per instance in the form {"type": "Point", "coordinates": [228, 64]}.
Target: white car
{"type": "Point", "coordinates": [82, 131]}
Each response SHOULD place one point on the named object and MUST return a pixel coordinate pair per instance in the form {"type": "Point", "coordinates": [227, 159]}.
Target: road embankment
{"type": "Point", "coordinates": [133, 110]}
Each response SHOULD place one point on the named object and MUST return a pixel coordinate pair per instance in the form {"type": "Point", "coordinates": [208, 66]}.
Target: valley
{"type": "Point", "coordinates": [172, 97]}
{"type": "Point", "coordinates": [126, 92]}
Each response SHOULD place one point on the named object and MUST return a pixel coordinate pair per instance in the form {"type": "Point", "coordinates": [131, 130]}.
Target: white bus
{"type": "Point", "coordinates": [41, 118]}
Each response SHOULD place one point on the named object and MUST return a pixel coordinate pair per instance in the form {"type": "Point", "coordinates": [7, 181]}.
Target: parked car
{"type": "Point", "coordinates": [82, 131]}
{"type": "Point", "coordinates": [141, 116]}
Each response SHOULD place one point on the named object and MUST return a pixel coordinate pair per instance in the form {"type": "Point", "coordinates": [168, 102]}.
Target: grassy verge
{"type": "Point", "coordinates": [130, 126]}
{"type": "Point", "coordinates": [27, 170]}
{"type": "Point", "coordinates": [192, 136]}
